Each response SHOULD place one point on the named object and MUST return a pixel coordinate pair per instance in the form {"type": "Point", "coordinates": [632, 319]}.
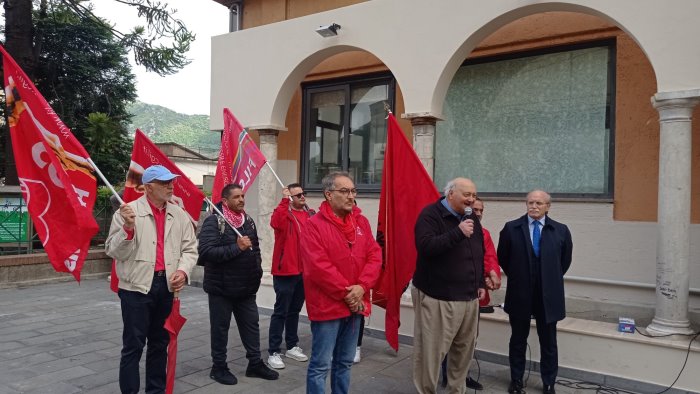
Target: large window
{"type": "Point", "coordinates": [537, 121]}
{"type": "Point", "coordinates": [344, 129]}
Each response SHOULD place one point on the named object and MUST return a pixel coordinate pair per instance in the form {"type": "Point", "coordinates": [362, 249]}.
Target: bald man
{"type": "Point", "coordinates": [447, 285]}
{"type": "Point", "coordinates": [535, 253]}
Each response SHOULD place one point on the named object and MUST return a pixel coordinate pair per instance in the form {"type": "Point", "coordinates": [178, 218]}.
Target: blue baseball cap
{"type": "Point", "coordinates": [159, 173]}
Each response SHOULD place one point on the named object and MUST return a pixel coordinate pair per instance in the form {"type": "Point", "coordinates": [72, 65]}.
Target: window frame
{"type": "Point", "coordinates": [345, 84]}
{"type": "Point", "coordinates": [611, 99]}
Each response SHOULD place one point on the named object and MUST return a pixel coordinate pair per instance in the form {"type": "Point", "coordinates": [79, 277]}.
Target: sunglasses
{"type": "Point", "coordinates": [299, 195]}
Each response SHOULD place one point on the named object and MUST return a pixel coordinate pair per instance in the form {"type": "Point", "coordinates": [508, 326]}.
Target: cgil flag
{"type": "Point", "coordinates": [56, 178]}
{"type": "Point", "coordinates": [240, 160]}
{"type": "Point", "coordinates": [185, 193]}
{"type": "Point", "coordinates": [403, 175]}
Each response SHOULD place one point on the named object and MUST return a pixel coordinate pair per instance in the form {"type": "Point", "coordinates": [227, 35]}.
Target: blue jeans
{"type": "Point", "coordinates": [289, 292]}
{"type": "Point", "coordinates": [337, 339]}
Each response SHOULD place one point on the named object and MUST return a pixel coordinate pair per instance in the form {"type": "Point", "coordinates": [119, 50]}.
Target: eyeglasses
{"type": "Point", "coordinates": [163, 183]}
{"type": "Point", "coordinates": [345, 192]}
{"type": "Point", "coordinates": [299, 195]}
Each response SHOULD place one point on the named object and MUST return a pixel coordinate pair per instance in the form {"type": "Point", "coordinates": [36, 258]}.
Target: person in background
{"type": "Point", "coordinates": [288, 221]}
{"type": "Point", "coordinates": [535, 252]}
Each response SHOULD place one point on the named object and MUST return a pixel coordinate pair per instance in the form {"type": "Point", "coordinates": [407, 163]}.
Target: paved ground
{"type": "Point", "coordinates": [66, 338]}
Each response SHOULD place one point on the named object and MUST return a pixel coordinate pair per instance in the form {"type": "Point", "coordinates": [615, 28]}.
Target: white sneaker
{"type": "Point", "coordinates": [275, 361]}
{"type": "Point", "coordinates": [358, 356]}
{"type": "Point", "coordinates": [296, 353]}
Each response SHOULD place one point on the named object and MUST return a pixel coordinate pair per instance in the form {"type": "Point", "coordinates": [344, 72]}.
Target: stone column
{"type": "Point", "coordinates": [424, 140]}
{"type": "Point", "coordinates": [267, 195]}
{"type": "Point", "coordinates": [673, 238]}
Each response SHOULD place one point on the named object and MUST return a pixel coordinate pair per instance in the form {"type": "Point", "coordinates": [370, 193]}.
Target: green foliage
{"type": "Point", "coordinates": [84, 73]}
{"type": "Point", "coordinates": [164, 125]}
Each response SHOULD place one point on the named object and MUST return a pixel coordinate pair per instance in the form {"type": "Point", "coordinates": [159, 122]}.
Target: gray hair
{"type": "Point", "coordinates": [328, 181]}
{"type": "Point", "coordinates": [547, 197]}
{"type": "Point", "coordinates": [450, 186]}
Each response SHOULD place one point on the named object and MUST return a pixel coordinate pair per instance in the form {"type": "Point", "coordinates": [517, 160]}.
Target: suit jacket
{"type": "Point", "coordinates": [515, 256]}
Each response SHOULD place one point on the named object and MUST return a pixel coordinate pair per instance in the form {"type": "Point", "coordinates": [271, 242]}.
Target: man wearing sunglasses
{"type": "Point", "coordinates": [288, 221]}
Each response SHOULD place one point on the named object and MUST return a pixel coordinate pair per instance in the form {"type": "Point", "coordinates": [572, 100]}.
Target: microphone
{"type": "Point", "coordinates": [468, 211]}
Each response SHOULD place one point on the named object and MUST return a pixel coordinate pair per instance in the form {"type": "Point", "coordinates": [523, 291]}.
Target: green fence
{"type": "Point", "coordinates": [17, 235]}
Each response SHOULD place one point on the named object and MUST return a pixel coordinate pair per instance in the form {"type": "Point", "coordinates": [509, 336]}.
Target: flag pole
{"type": "Point", "coordinates": [211, 204]}
{"type": "Point", "coordinates": [104, 180]}
{"type": "Point", "coordinates": [275, 174]}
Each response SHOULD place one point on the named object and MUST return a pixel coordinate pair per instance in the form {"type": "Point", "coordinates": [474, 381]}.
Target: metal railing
{"type": "Point", "coordinates": [17, 235]}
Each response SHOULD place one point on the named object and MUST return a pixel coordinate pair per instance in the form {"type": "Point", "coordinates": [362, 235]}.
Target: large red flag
{"type": "Point", "coordinates": [185, 193]}
{"type": "Point", "coordinates": [56, 179]}
{"type": "Point", "coordinates": [240, 160]}
{"type": "Point", "coordinates": [403, 175]}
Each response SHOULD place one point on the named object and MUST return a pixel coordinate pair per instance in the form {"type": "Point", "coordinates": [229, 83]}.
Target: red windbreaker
{"type": "Point", "coordinates": [331, 264]}
{"type": "Point", "coordinates": [288, 228]}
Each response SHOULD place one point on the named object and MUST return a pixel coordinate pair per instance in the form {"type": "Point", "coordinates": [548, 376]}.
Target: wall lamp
{"type": "Point", "coordinates": [328, 30]}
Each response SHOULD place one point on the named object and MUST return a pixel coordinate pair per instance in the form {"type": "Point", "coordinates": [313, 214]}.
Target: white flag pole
{"type": "Point", "coordinates": [104, 180]}
{"type": "Point", "coordinates": [222, 215]}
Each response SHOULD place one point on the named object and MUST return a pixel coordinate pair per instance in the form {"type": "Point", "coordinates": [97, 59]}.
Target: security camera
{"type": "Point", "coordinates": [328, 30]}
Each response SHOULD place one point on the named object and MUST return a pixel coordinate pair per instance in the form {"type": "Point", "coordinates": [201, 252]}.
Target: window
{"type": "Point", "coordinates": [344, 129]}
{"type": "Point", "coordinates": [542, 120]}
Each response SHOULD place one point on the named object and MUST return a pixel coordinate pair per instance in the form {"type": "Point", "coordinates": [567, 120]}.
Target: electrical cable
{"type": "Point", "coordinates": [600, 388]}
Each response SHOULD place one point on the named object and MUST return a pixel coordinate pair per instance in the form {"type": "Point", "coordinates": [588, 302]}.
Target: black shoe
{"type": "Point", "coordinates": [548, 389]}
{"type": "Point", "coordinates": [262, 371]}
{"type": "Point", "coordinates": [516, 387]}
{"type": "Point", "coordinates": [474, 385]}
{"type": "Point", "coordinates": [486, 309]}
{"type": "Point", "coordinates": [223, 375]}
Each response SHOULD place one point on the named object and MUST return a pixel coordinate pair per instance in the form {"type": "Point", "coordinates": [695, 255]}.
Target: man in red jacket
{"type": "Point", "coordinates": [341, 263]}
{"type": "Point", "coordinates": [492, 271]}
{"type": "Point", "coordinates": [288, 220]}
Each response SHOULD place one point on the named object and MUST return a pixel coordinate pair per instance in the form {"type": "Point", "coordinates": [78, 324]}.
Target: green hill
{"type": "Point", "coordinates": [161, 124]}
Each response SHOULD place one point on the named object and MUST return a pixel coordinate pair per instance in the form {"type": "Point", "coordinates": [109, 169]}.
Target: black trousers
{"type": "Point", "coordinates": [143, 316]}
{"type": "Point", "coordinates": [547, 333]}
{"type": "Point", "coordinates": [289, 292]}
{"type": "Point", "coordinates": [245, 311]}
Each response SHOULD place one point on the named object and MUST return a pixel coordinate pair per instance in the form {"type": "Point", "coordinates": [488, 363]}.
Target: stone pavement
{"type": "Point", "coordinates": [66, 338]}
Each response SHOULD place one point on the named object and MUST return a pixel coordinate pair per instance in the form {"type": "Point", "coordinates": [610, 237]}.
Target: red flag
{"type": "Point", "coordinates": [403, 175]}
{"type": "Point", "coordinates": [56, 179]}
{"type": "Point", "coordinates": [240, 160]}
{"type": "Point", "coordinates": [185, 193]}
{"type": "Point", "coordinates": [173, 325]}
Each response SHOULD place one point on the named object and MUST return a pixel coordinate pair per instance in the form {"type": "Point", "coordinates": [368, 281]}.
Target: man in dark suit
{"type": "Point", "coordinates": [535, 253]}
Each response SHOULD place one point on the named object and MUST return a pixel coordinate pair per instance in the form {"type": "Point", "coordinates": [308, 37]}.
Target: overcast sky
{"type": "Point", "coordinates": [187, 91]}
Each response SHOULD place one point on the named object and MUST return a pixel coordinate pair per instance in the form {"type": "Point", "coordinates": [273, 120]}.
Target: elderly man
{"type": "Point", "coordinates": [341, 264]}
{"type": "Point", "coordinates": [448, 283]}
{"type": "Point", "coordinates": [535, 253]}
{"type": "Point", "coordinates": [232, 273]}
{"type": "Point", "coordinates": [155, 248]}
{"type": "Point", "coordinates": [288, 220]}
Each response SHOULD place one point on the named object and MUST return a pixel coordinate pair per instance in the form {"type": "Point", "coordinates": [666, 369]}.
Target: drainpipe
{"type": "Point", "coordinates": [235, 14]}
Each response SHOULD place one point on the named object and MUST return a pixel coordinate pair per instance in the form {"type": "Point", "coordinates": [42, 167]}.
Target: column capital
{"type": "Point", "coordinates": [268, 132]}
{"type": "Point", "coordinates": [676, 106]}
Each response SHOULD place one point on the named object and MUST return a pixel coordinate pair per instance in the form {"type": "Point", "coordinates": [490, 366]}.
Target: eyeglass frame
{"type": "Point", "coordinates": [345, 192]}
{"type": "Point", "coordinates": [298, 195]}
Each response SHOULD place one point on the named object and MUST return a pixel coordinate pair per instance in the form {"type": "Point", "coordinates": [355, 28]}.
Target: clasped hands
{"type": "Point", "coordinates": [354, 298]}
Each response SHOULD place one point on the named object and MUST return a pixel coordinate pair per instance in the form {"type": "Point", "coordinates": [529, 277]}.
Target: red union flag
{"type": "Point", "coordinates": [185, 193]}
{"type": "Point", "coordinates": [403, 175]}
{"type": "Point", "coordinates": [145, 154]}
{"type": "Point", "coordinates": [240, 160]}
{"type": "Point", "coordinates": [56, 179]}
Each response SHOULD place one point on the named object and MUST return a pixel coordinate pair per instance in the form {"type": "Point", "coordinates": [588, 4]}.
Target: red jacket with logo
{"type": "Point", "coordinates": [288, 229]}
{"type": "Point", "coordinates": [331, 264]}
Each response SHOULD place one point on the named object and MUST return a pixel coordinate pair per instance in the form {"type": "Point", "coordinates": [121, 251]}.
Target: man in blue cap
{"type": "Point", "coordinates": [154, 245]}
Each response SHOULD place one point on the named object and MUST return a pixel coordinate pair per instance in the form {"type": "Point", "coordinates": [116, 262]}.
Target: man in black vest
{"type": "Point", "coordinates": [535, 253]}
{"type": "Point", "coordinates": [232, 273]}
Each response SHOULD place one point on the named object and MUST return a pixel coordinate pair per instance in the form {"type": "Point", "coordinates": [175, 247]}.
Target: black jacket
{"type": "Point", "coordinates": [515, 256]}
{"type": "Point", "coordinates": [228, 271]}
{"type": "Point", "coordinates": [450, 266]}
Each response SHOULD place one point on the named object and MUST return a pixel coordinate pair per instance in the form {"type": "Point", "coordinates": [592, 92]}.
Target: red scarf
{"type": "Point", "coordinates": [236, 219]}
{"type": "Point", "coordinates": [346, 225]}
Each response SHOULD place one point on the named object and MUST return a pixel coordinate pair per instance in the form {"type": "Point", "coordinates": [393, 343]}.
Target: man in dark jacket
{"type": "Point", "coordinates": [535, 253]}
{"type": "Point", "coordinates": [232, 273]}
{"type": "Point", "coordinates": [447, 286]}
{"type": "Point", "coordinates": [288, 220]}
